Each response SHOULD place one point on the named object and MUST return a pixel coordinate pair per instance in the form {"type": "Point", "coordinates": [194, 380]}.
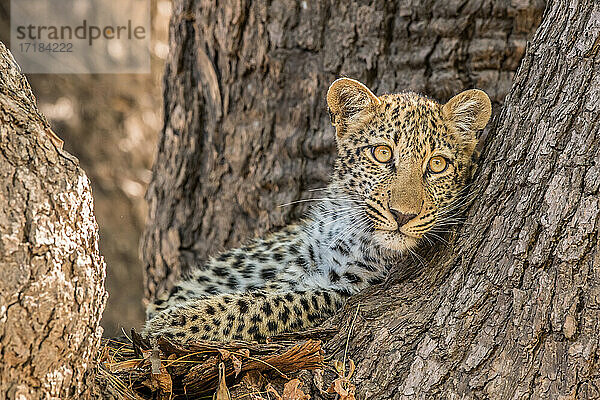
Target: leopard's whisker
{"type": "Point", "coordinates": [459, 205]}
{"type": "Point", "coordinates": [436, 236]}
{"type": "Point", "coordinates": [452, 221]}
{"type": "Point", "coordinates": [342, 233]}
{"type": "Point", "coordinates": [317, 199]}
{"type": "Point", "coordinates": [342, 218]}
{"type": "Point", "coordinates": [420, 259]}
{"type": "Point", "coordinates": [429, 241]}
{"type": "Point", "coordinates": [329, 213]}
{"type": "Point", "coordinates": [435, 230]}
{"type": "Point", "coordinates": [354, 229]}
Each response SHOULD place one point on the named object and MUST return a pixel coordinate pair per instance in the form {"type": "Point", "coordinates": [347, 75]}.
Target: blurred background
{"type": "Point", "coordinates": [111, 123]}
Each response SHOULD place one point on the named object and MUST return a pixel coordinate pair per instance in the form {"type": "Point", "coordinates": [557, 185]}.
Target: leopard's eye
{"type": "Point", "coordinates": [437, 164]}
{"type": "Point", "coordinates": [382, 153]}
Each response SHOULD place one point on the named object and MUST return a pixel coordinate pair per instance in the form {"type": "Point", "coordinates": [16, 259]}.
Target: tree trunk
{"type": "Point", "coordinates": [52, 281]}
{"type": "Point", "coordinates": [246, 124]}
{"type": "Point", "coordinates": [509, 309]}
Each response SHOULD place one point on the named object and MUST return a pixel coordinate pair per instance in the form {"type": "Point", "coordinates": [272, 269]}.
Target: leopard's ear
{"type": "Point", "coordinates": [468, 111]}
{"type": "Point", "coordinates": [351, 105]}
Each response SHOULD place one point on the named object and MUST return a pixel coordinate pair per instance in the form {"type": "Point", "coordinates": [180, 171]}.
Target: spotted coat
{"type": "Point", "coordinates": [388, 192]}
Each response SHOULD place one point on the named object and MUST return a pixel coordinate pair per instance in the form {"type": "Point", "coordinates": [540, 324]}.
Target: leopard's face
{"type": "Point", "coordinates": [406, 157]}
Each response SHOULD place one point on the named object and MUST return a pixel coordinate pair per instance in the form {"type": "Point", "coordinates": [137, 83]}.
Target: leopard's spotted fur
{"type": "Point", "coordinates": [371, 212]}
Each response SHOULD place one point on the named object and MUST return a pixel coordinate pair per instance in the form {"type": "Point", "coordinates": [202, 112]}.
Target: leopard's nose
{"type": "Point", "coordinates": [401, 218]}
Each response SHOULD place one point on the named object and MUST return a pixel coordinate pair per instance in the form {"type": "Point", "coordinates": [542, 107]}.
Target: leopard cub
{"type": "Point", "coordinates": [403, 162]}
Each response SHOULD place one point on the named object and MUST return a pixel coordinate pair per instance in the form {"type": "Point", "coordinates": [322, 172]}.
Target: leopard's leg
{"type": "Point", "coordinates": [200, 284]}
{"type": "Point", "coordinates": [244, 316]}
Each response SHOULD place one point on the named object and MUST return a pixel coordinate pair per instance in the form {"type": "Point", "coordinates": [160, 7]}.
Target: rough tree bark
{"type": "Point", "coordinates": [246, 125]}
{"type": "Point", "coordinates": [52, 275]}
{"type": "Point", "coordinates": [510, 308]}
